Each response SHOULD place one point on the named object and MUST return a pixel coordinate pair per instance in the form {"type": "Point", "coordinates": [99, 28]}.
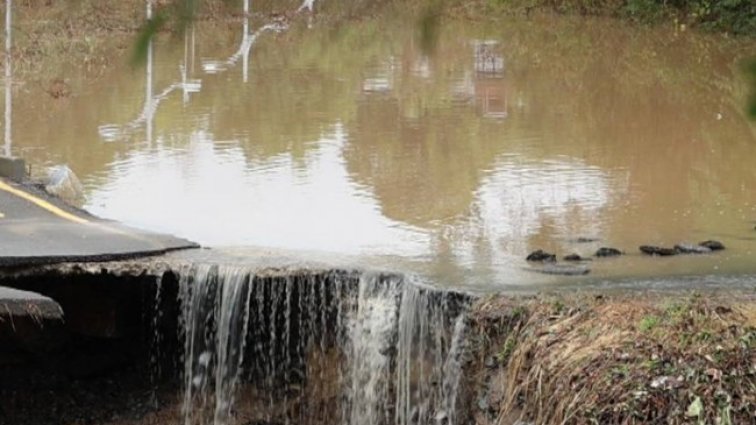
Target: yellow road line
{"type": "Point", "coordinates": [42, 204]}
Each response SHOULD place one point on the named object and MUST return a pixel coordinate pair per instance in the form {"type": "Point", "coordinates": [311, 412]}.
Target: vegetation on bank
{"type": "Point", "coordinates": [617, 360]}
{"type": "Point", "coordinates": [731, 16]}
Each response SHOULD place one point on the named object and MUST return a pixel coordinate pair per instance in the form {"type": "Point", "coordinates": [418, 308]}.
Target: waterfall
{"type": "Point", "coordinates": [313, 347]}
{"type": "Point", "coordinates": [373, 328]}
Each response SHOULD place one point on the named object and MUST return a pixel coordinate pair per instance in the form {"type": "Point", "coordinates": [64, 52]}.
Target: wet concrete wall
{"type": "Point", "coordinates": [152, 343]}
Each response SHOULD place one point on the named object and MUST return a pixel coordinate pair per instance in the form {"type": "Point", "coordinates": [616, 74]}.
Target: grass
{"type": "Point", "coordinates": [53, 38]}
{"type": "Point", "coordinates": [648, 323]}
{"type": "Point", "coordinates": [624, 360]}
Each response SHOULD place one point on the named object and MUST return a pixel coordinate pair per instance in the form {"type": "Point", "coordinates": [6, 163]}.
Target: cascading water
{"type": "Point", "coordinates": [306, 347]}
{"type": "Point", "coordinates": [372, 339]}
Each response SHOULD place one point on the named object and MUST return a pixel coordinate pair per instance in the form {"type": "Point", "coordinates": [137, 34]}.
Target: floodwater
{"type": "Point", "coordinates": [351, 141]}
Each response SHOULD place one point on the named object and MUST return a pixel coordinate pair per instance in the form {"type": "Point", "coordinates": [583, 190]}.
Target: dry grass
{"type": "Point", "coordinates": [625, 360]}
{"type": "Point", "coordinates": [53, 39]}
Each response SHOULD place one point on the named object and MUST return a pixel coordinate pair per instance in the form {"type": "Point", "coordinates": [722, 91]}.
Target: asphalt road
{"type": "Point", "coordinates": [39, 229]}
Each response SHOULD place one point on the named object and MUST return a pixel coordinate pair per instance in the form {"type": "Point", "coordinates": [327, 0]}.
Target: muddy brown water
{"type": "Point", "coordinates": [352, 141]}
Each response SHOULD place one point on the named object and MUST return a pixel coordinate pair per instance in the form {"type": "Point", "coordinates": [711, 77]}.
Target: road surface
{"type": "Point", "coordinates": [39, 229]}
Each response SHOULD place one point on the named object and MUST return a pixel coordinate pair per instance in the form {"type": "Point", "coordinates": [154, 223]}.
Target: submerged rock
{"type": "Point", "coordinates": [684, 248]}
{"type": "Point", "coordinates": [657, 250]}
{"type": "Point", "coordinates": [541, 256]}
{"type": "Point", "coordinates": [608, 252]}
{"type": "Point", "coordinates": [575, 257]}
{"type": "Point", "coordinates": [561, 269]}
{"type": "Point", "coordinates": [712, 245]}
{"type": "Point", "coordinates": [583, 239]}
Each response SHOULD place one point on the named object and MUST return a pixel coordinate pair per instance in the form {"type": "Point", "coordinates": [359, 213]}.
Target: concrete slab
{"type": "Point", "coordinates": [15, 303]}
{"type": "Point", "coordinates": [36, 228]}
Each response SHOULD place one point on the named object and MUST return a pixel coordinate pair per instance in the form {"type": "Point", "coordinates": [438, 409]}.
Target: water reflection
{"type": "Point", "coordinates": [269, 204]}
{"type": "Point", "coordinates": [352, 140]}
{"type": "Point", "coordinates": [187, 84]}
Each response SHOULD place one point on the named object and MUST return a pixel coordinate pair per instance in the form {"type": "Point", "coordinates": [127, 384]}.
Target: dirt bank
{"type": "Point", "coordinates": [655, 358]}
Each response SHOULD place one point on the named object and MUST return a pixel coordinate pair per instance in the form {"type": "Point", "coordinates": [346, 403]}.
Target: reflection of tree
{"type": "Point", "coordinates": [659, 106]}
{"type": "Point", "coordinates": [422, 169]}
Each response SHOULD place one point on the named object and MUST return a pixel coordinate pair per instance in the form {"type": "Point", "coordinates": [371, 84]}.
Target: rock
{"type": "Point", "coordinates": [608, 252]}
{"type": "Point", "coordinates": [712, 245]}
{"type": "Point", "coordinates": [657, 250]}
{"type": "Point", "coordinates": [667, 382]}
{"type": "Point", "coordinates": [491, 362]}
{"type": "Point", "coordinates": [483, 404]}
{"type": "Point", "coordinates": [575, 257]}
{"type": "Point", "coordinates": [63, 183]}
{"type": "Point", "coordinates": [561, 269]}
{"type": "Point", "coordinates": [541, 256]}
{"type": "Point", "coordinates": [684, 248]}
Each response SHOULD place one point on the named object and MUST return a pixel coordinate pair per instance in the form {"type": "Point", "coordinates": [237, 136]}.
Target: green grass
{"type": "Point", "coordinates": [648, 323]}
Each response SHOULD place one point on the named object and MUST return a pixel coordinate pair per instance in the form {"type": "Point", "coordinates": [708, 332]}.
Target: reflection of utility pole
{"type": "Point", "coordinates": [188, 85]}
{"type": "Point", "coordinates": [245, 28]}
{"type": "Point", "coordinates": [187, 68]}
{"type": "Point", "coordinates": [148, 84]}
{"type": "Point", "coordinates": [8, 76]}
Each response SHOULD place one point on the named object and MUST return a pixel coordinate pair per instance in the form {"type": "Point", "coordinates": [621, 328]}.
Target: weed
{"type": "Point", "coordinates": [648, 323]}
{"type": "Point", "coordinates": [621, 371]}
{"type": "Point", "coordinates": [507, 349]}
{"type": "Point", "coordinates": [557, 307]}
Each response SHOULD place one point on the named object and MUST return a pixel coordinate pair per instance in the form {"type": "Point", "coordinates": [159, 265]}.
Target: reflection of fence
{"type": "Point", "coordinates": [211, 66]}
{"type": "Point", "coordinates": [113, 132]}
{"type": "Point", "coordinates": [490, 86]}
{"type": "Point", "coordinates": [487, 60]}
{"type": "Point", "coordinates": [188, 85]}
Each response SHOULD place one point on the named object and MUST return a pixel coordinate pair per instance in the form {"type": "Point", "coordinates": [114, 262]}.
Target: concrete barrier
{"type": "Point", "coordinates": [12, 168]}
{"type": "Point", "coordinates": [16, 303]}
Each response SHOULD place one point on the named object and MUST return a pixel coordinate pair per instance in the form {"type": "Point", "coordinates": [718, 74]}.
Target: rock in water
{"type": "Point", "coordinates": [608, 252]}
{"type": "Point", "coordinates": [657, 250]}
{"type": "Point", "coordinates": [712, 245]}
{"type": "Point", "coordinates": [684, 248]}
{"type": "Point", "coordinates": [541, 256]}
{"type": "Point", "coordinates": [63, 183]}
{"type": "Point", "coordinates": [584, 239]}
{"type": "Point", "coordinates": [575, 257]}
